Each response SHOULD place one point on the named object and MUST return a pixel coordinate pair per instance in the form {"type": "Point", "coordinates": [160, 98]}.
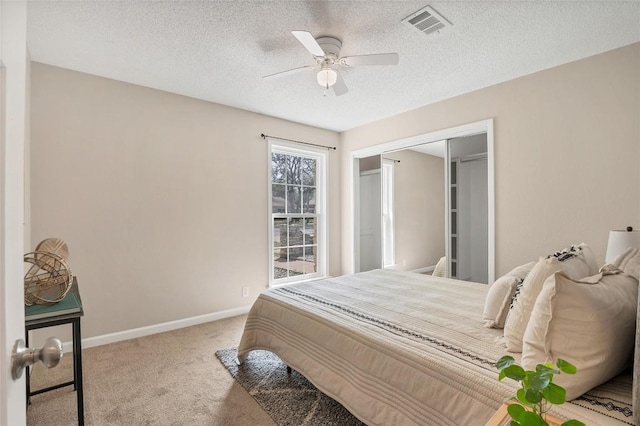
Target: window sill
{"type": "Point", "coordinates": [306, 280]}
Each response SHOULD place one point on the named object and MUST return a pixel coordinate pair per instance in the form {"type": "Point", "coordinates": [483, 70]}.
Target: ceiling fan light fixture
{"type": "Point", "coordinates": [326, 54]}
{"type": "Point", "coordinates": [327, 77]}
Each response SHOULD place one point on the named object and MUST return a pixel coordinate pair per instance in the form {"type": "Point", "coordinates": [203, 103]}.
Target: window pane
{"type": "Point", "coordinates": [278, 168]}
{"type": "Point", "coordinates": [293, 169]}
{"type": "Point", "coordinates": [279, 232]}
{"type": "Point", "coordinates": [278, 198]}
{"type": "Point", "coordinates": [296, 263]}
{"type": "Point", "coordinates": [280, 264]}
{"type": "Point", "coordinates": [310, 260]}
{"type": "Point", "coordinates": [308, 200]}
{"type": "Point", "coordinates": [294, 202]}
{"type": "Point", "coordinates": [295, 232]}
{"type": "Point", "coordinates": [308, 171]}
{"type": "Point", "coordinates": [309, 231]}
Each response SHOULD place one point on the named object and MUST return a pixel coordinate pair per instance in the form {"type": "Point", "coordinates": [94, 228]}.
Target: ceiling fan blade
{"type": "Point", "coordinates": [283, 73]}
{"type": "Point", "coordinates": [309, 43]}
{"type": "Point", "coordinates": [339, 88]}
{"type": "Point", "coordinates": [376, 59]}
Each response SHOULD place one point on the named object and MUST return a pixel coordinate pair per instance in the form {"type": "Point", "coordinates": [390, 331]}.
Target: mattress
{"type": "Point", "coordinates": [396, 348]}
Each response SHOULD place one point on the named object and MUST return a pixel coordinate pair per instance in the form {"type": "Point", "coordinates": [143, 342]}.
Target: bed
{"type": "Point", "coordinates": [400, 348]}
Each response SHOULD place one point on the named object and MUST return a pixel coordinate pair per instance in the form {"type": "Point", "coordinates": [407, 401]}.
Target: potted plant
{"type": "Point", "coordinates": [537, 392]}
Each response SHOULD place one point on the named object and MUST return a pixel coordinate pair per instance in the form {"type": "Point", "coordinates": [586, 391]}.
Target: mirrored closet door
{"type": "Point", "coordinates": [423, 204]}
{"type": "Point", "coordinates": [467, 233]}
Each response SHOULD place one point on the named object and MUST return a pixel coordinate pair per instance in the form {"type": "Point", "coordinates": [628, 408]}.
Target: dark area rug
{"type": "Point", "coordinates": [290, 399]}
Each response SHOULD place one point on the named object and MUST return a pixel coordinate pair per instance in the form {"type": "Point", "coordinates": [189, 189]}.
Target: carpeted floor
{"type": "Point", "coordinates": [170, 378]}
{"type": "Point", "coordinates": [290, 399]}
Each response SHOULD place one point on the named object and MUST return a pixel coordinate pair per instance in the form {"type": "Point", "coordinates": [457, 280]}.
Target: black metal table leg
{"type": "Point", "coordinates": [77, 369]}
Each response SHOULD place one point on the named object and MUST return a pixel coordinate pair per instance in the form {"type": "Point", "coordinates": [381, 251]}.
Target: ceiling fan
{"type": "Point", "coordinates": [326, 52]}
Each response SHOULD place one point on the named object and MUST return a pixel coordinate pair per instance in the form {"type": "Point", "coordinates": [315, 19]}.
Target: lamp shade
{"type": "Point", "coordinates": [619, 241]}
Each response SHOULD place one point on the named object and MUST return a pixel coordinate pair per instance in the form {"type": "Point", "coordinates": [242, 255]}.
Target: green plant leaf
{"type": "Point", "coordinates": [566, 367]}
{"type": "Point", "coordinates": [547, 368]}
{"type": "Point", "coordinates": [502, 375]}
{"type": "Point", "coordinates": [539, 381]}
{"type": "Point", "coordinates": [505, 362]}
{"type": "Point", "coordinates": [527, 418]}
{"type": "Point", "coordinates": [514, 423]}
{"type": "Point", "coordinates": [573, 423]}
{"type": "Point", "coordinates": [520, 396]}
{"type": "Point", "coordinates": [555, 394]}
{"type": "Point", "coordinates": [533, 396]}
{"type": "Point", "coordinates": [515, 410]}
{"type": "Point", "coordinates": [514, 372]}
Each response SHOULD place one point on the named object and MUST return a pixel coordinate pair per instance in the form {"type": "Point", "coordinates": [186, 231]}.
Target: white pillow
{"type": "Point", "coordinates": [498, 300]}
{"type": "Point", "coordinates": [576, 262]}
{"type": "Point", "coordinates": [588, 322]}
{"type": "Point", "coordinates": [628, 262]}
{"type": "Point", "coordinates": [441, 268]}
{"type": "Point", "coordinates": [521, 272]}
{"type": "Point", "coordinates": [500, 296]}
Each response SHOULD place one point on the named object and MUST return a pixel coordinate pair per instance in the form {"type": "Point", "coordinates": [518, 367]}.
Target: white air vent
{"type": "Point", "coordinates": [426, 20]}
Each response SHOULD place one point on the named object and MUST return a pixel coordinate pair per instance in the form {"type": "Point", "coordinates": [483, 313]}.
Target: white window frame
{"type": "Point", "coordinates": [322, 165]}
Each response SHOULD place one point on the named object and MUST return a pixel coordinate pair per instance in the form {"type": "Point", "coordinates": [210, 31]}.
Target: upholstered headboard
{"type": "Point", "coordinates": [636, 371]}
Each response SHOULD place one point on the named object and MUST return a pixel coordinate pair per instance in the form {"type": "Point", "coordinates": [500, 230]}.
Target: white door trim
{"type": "Point", "coordinates": [13, 57]}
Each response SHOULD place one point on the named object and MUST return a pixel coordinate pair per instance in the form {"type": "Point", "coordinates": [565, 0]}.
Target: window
{"type": "Point", "coordinates": [297, 214]}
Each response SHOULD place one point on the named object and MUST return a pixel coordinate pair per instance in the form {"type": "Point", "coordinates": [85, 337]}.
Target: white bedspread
{"type": "Point", "coordinates": [395, 348]}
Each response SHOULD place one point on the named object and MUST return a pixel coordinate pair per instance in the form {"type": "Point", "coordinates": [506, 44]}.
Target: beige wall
{"type": "Point", "coordinates": [161, 198]}
{"type": "Point", "coordinates": [370, 163]}
{"type": "Point", "coordinates": [418, 209]}
{"type": "Point", "coordinates": [567, 150]}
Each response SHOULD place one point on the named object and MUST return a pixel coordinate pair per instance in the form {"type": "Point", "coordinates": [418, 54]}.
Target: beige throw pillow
{"type": "Point", "coordinates": [441, 268]}
{"type": "Point", "coordinates": [628, 262]}
{"type": "Point", "coordinates": [500, 296]}
{"type": "Point", "coordinates": [577, 262]}
{"type": "Point", "coordinates": [589, 322]}
{"type": "Point", "coordinates": [521, 272]}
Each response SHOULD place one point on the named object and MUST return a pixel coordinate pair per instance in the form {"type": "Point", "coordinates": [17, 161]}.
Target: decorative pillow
{"type": "Point", "coordinates": [576, 262]}
{"type": "Point", "coordinates": [589, 322]}
{"type": "Point", "coordinates": [441, 268]}
{"type": "Point", "coordinates": [521, 272]}
{"type": "Point", "coordinates": [501, 295]}
{"type": "Point", "coordinates": [628, 262]}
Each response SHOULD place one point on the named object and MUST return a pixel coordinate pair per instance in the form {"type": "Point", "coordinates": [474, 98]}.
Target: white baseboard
{"type": "Point", "coordinates": [157, 328]}
{"type": "Point", "coordinates": [425, 269]}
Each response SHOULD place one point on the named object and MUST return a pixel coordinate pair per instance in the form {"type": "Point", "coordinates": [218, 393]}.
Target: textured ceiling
{"type": "Point", "coordinates": [219, 50]}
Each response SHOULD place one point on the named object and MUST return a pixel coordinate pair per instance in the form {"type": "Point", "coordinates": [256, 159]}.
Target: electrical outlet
{"type": "Point", "coordinates": [245, 291]}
